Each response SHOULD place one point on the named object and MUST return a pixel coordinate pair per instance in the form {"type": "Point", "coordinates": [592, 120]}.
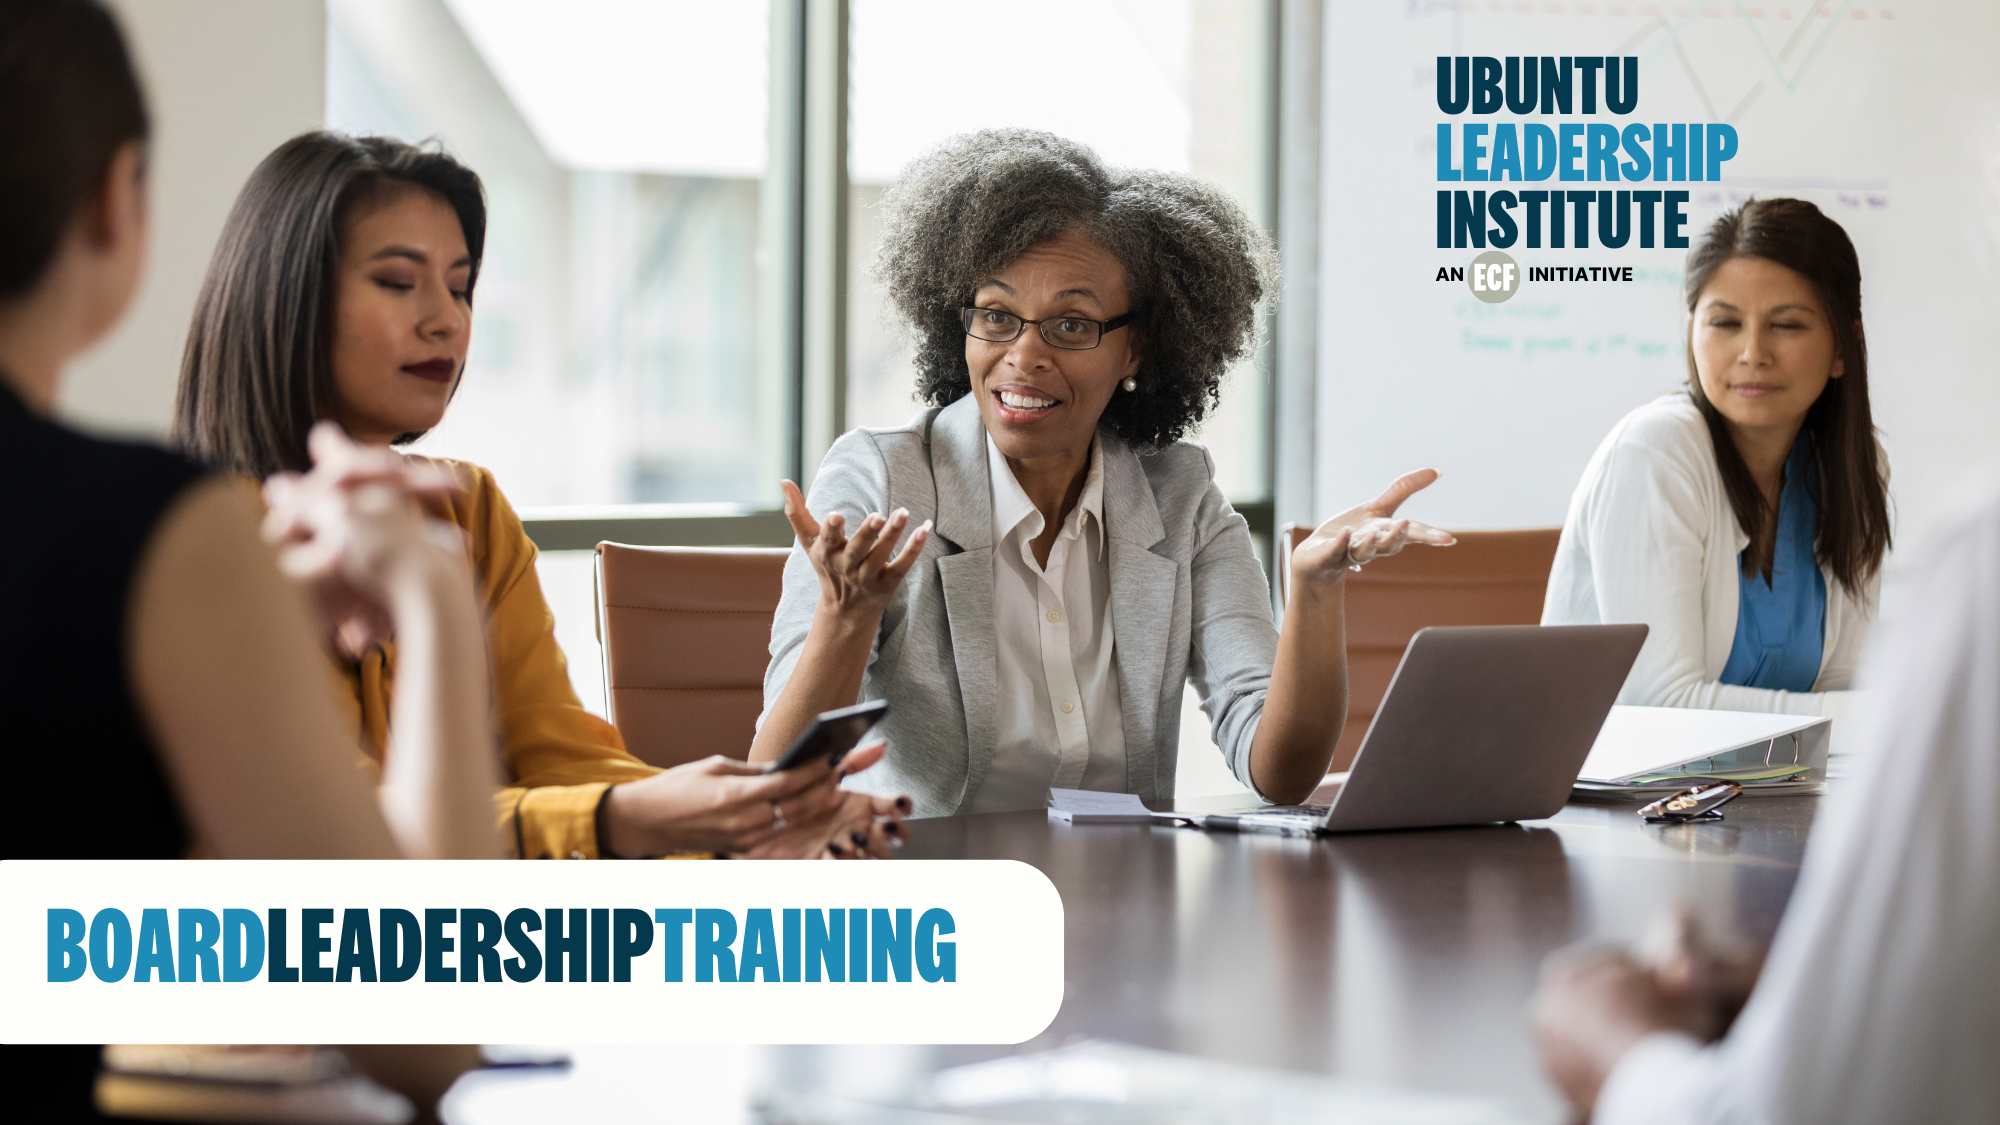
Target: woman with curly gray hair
{"type": "Point", "coordinates": [1073, 322]}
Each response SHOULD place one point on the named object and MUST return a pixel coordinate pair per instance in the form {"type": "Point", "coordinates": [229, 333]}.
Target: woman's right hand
{"type": "Point", "coordinates": [352, 533]}
{"type": "Point", "coordinates": [858, 574]}
{"type": "Point", "coordinates": [1709, 969]}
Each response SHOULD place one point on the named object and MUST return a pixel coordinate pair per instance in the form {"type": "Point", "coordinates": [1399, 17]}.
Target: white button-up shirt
{"type": "Point", "coordinates": [1057, 721]}
{"type": "Point", "coordinates": [1880, 1001]}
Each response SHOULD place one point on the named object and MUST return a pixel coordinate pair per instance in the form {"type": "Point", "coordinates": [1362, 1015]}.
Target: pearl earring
{"type": "Point", "coordinates": [1130, 383]}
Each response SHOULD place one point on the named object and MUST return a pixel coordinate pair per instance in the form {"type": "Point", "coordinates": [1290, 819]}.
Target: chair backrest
{"type": "Point", "coordinates": [686, 635]}
{"type": "Point", "coordinates": [1487, 578]}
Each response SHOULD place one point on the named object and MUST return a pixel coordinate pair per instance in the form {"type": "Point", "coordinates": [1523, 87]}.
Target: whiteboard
{"type": "Point", "coordinates": [1885, 116]}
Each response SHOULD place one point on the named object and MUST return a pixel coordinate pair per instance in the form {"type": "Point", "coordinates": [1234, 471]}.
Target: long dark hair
{"type": "Point", "coordinates": [71, 101]}
{"type": "Point", "coordinates": [258, 369]}
{"type": "Point", "coordinates": [1853, 480]}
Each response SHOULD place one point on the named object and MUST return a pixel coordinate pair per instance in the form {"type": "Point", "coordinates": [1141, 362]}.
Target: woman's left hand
{"type": "Point", "coordinates": [1365, 533]}
{"type": "Point", "coordinates": [731, 807]}
{"type": "Point", "coordinates": [861, 826]}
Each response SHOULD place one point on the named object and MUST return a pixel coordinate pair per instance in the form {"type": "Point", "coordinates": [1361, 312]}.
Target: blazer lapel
{"type": "Point", "coordinates": [967, 581]}
{"type": "Point", "coordinates": [1142, 585]}
{"type": "Point", "coordinates": [965, 521]}
{"type": "Point", "coordinates": [958, 464]}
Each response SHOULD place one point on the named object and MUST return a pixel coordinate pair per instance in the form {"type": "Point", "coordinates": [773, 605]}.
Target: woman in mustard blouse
{"type": "Point", "coordinates": [342, 289]}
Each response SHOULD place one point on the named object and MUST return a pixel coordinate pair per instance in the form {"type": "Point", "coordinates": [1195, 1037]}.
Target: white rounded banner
{"type": "Point", "coordinates": [937, 951]}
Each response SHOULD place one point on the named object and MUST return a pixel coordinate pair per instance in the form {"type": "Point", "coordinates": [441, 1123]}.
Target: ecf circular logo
{"type": "Point", "coordinates": [1493, 277]}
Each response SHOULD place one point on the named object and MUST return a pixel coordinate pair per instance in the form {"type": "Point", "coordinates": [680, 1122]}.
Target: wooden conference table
{"type": "Point", "coordinates": [1394, 957]}
{"type": "Point", "coordinates": [1401, 959]}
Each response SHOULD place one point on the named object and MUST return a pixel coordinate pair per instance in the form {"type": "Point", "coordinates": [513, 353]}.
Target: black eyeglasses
{"type": "Point", "coordinates": [1071, 333]}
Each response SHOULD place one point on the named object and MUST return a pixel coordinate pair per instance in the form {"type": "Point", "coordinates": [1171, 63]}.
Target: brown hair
{"type": "Point", "coordinates": [258, 369]}
{"type": "Point", "coordinates": [1852, 478]}
{"type": "Point", "coordinates": [72, 100]}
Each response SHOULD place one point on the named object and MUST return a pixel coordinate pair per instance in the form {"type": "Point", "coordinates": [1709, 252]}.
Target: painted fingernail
{"type": "Point", "coordinates": [835, 849]}
{"type": "Point", "coordinates": [924, 528]}
{"type": "Point", "coordinates": [903, 803]}
{"type": "Point", "coordinates": [860, 840]}
{"type": "Point", "coordinates": [891, 827]}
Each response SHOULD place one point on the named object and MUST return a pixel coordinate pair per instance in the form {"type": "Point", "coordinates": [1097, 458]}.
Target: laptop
{"type": "Point", "coordinates": [1480, 724]}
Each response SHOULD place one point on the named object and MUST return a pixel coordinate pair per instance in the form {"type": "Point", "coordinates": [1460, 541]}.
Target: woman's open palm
{"type": "Point", "coordinates": [1367, 532]}
{"type": "Point", "coordinates": [857, 573]}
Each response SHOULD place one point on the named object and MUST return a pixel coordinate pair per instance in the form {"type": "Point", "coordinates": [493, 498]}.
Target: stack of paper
{"type": "Point", "coordinates": [1653, 750]}
{"type": "Point", "coordinates": [1086, 806]}
{"type": "Point", "coordinates": [1093, 807]}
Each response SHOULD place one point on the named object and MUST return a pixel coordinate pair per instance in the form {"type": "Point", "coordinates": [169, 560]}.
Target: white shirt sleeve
{"type": "Point", "coordinates": [1638, 544]}
{"type": "Point", "coordinates": [1881, 999]}
{"type": "Point", "coordinates": [1663, 1080]}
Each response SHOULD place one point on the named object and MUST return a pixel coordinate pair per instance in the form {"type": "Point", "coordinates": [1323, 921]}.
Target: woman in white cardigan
{"type": "Point", "coordinates": [1744, 519]}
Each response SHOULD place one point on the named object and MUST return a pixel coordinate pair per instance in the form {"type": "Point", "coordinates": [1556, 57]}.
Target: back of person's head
{"type": "Point", "coordinates": [258, 369]}
{"type": "Point", "coordinates": [69, 100]}
{"type": "Point", "coordinates": [1853, 485]}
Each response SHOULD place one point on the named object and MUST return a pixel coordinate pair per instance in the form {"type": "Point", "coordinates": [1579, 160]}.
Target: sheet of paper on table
{"type": "Point", "coordinates": [1087, 806]}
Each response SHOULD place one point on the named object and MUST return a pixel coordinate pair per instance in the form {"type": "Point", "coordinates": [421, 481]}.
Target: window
{"type": "Point", "coordinates": [672, 315]}
{"type": "Point", "coordinates": [630, 343]}
{"type": "Point", "coordinates": [618, 355]}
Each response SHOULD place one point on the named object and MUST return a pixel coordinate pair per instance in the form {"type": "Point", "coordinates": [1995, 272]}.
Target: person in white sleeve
{"type": "Point", "coordinates": [1745, 517]}
{"type": "Point", "coordinates": [1879, 1002]}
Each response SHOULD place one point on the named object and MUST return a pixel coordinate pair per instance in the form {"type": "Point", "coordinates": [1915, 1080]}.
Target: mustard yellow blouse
{"type": "Point", "coordinates": [560, 758]}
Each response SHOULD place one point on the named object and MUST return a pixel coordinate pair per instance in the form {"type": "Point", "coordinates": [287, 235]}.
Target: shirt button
{"type": "Point", "coordinates": [1055, 615]}
{"type": "Point", "coordinates": [1067, 706]}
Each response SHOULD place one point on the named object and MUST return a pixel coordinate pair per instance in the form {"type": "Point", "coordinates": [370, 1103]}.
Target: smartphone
{"type": "Point", "coordinates": [834, 733]}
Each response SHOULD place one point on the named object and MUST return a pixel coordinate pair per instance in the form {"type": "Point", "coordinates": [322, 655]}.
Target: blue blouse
{"type": "Point", "coordinates": [1781, 627]}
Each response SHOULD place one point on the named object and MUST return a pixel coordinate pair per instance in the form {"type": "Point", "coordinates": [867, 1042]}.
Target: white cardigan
{"type": "Point", "coordinates": [1651, 537]}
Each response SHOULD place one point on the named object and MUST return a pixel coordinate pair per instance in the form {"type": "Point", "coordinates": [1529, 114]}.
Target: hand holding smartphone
{"type": "Point", "coordinates": [834, 733]}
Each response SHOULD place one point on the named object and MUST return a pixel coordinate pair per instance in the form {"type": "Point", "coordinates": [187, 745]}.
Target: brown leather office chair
{"type": "Point", "coordinates": [1488, 578]}
{"type": "Point", "coordinates": [686, 634]}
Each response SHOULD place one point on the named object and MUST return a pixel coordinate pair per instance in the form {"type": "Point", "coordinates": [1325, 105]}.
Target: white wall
{"type": "Point", "coordinates": [227, 80]}
{"type": "Point", "coordinates": [1885, 115]}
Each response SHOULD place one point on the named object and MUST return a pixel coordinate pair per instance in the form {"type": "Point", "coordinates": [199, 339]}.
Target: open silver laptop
{"type": "Point", "coordinates": [1480, 724]}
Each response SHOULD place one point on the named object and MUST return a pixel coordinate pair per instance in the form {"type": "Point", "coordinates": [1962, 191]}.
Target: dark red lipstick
{"type": "Point", "coordinates": [436, 370]}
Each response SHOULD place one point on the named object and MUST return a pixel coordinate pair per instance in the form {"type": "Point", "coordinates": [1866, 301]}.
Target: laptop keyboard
{"type": "Point", "coordinates": [1316, 811]}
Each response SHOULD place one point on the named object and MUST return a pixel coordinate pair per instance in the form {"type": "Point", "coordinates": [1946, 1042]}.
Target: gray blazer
{"type": "Point", "coordinates": [1188, 603]}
